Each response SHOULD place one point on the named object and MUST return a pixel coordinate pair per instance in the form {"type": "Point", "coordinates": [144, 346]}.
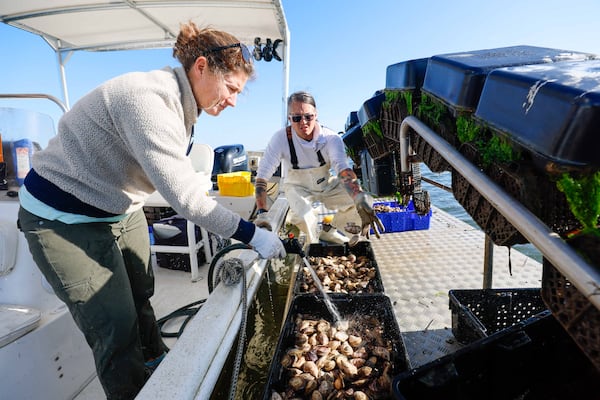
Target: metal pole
{"type": "Point", "coordinates": [35, 96]}
{"type": "Point", "coordinates": [488, 263]}
{"type": "Point", "coordinates": [63, 77]}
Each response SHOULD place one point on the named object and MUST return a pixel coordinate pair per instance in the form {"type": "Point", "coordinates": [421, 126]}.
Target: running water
{"type": "Point", "coordinates": [326, 299]}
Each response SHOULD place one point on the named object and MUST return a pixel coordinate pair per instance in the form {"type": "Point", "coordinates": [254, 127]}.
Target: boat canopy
{"type": "Point", "coordinates": [109, 25]}
{"type": "Point", "coordinates": [97, 25]}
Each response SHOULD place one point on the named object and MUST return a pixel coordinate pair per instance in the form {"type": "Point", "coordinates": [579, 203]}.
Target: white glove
{"type": "Point", "coordinates": [267, 244]}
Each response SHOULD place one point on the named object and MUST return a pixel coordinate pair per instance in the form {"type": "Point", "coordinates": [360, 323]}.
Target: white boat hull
{"type": "Point", "coordinates": [53, 360]}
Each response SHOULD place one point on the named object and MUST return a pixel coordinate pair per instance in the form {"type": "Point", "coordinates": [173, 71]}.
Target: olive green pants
{"type": "Point", "coordinates": [102, 272]}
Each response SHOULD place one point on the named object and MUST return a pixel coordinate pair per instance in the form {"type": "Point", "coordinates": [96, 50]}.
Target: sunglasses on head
{"type": "Point", "coordinates": [306, 117]}
{"type": "Point", "coordinates": [246, 56]}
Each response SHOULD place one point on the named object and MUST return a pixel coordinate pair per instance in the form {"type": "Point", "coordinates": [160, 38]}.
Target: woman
{"type": "Point", "coordinates": [308, 151]}
{"type": "Point", "coordinates": [81, 203]}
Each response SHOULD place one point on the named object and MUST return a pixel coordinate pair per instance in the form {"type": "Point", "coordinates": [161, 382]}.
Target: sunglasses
{"type": "Point", "coordinates": [246, 55]}
{"type": "Point", "coordinates": [306, 117]}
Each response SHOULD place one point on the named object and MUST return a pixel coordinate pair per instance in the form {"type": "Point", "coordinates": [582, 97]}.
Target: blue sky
{"type": "Point", "coordinates": [340, 50]}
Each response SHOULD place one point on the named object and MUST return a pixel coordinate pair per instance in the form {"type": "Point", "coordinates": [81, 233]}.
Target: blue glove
{"type": "Point", "coordinates": [267, 244]}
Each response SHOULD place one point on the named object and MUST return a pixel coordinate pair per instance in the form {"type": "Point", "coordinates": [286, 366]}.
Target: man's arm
{"type": "Point", "coordinates": [350, 182]}
{"type": "Point", "coordinates": [260, 190]}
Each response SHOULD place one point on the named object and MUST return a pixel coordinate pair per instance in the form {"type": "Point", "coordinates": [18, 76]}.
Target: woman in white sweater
{"type": "Point", "coordinates": [81, 203]}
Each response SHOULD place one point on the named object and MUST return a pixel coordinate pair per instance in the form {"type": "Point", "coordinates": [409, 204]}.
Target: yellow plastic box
{"type": "Point", "coordinates": [237, 184]}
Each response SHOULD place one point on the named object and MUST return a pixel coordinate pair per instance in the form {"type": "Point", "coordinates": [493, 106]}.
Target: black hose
{"type": "Point", "coordinates": [190, 310]}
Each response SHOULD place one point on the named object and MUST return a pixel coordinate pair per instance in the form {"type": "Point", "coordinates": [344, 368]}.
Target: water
{"type": "Point", "coordinates": [265, 316]}
{"type": "Point", "coordinates": [326, 299]}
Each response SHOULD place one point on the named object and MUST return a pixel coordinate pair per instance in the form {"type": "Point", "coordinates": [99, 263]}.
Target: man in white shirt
{"type": "Point", "coordinates": [308, 153]}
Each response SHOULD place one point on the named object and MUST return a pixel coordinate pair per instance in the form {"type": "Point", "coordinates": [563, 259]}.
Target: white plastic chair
{"type": "Point", "coordinates": [203, 157]}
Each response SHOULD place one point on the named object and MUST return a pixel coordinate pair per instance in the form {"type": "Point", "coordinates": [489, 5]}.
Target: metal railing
{"type": "Point", "coordinates": [59, 103]}
{"type": "Point", "coordinates": [581, 274]}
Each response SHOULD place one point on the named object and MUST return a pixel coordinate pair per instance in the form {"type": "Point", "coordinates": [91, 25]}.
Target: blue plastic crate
{"type": "Point", "coordinates": [398, 221]}
{"type": "Point", "coordinates": [405, 220]}
{"type": "Point", "coordinates": [420, 222]}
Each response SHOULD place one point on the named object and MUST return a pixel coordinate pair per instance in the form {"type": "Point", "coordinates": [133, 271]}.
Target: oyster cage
{"type": "Point", "coordinates": [493, 223]}
{"type": "Point", "coordinates": [371, 318]}
{"type": "Point", "coordinates": [427, 153]}
{"type": "Point", "coordinates": [376, 145]}
{"type": "Point", "coordinates": [521, 180]}
{"type": "Point", "coordinates": [534, 359]}
{"type": "Point", "coordinates": [393, 113]}
{"type": "Point", "coordinates": [579, 317]}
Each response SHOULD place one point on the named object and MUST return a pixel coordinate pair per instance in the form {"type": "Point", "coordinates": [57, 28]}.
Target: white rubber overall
{"type": "Point", "coordinates": [303, 187]}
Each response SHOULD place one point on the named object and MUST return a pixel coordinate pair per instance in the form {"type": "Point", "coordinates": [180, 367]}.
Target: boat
{"type": "Point", "coordinates": [419, 267]}
{"type": "Point", "coordinates": [39, 336]}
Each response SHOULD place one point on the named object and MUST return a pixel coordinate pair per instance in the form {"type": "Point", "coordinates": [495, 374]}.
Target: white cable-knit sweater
{"type": "Point", "coordinates": [127, 138]}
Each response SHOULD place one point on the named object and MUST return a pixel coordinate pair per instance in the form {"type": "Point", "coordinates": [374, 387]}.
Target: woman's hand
{"type": "Point", "coordinates": [267, 244]}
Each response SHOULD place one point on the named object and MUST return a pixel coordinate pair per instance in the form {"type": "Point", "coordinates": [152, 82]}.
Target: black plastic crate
{"type": "Point", "coordinates": [351, 120]}
{"type": "Point", "coordinates": [458, 78]}
{"type": "Point", "coordinates": [532, 360]}
{"type": "Point", "coordinates": [304, 280]}
{"type": "Point", "coordinates": [353, 138]}
{"type": "Point", "coordinates": [373, 312]}
{"type": "Point", "coordinates": [560, 122]}
{"type": "Point", "coordinates": [406, 75]}
{"type": "Point", "coordinates": [477, 313]}
{"type": "Point", "coordinates": [371, 108]}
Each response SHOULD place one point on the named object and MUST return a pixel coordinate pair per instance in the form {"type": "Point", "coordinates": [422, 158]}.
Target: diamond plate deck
{"type": "Point", "coordinates": [418, 268]}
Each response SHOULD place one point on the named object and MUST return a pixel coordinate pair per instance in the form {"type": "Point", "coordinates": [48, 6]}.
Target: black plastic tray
{"type": "Point", "coordinates": [552, 109]}
{"type": "Point", "coordinates": [377, 306]}
{"type": "Point", "coordinates": [375, 284]}
{"type": "Point", "coordinates": [371, 108]}
{"type": "Point", "coordinates": [351, 120]}
{"type": "Point", "coordinates": [532, 360]}
{"type": "Point", "coordinates": [406, 75]}
{"type": "Point", "coordinates": [353, 137]}
{"type": "Point", "coordinates": [458, 78]}
{"type": "Point", "coordinates": [478, 313]}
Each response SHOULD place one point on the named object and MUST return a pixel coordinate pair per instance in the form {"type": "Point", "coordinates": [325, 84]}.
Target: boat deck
{"type": "Point", "coordinates": [418, 268]}
{"type": "Point", "coordinates": [173, 290]}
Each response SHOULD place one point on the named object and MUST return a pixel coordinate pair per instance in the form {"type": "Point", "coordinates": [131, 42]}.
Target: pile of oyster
{"type": "Point", "coordinates": [339, 274]}
{"type": "Point", "coordinates": [384, 208]}
{"type": "Point", "coordinates": [351, 360]}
